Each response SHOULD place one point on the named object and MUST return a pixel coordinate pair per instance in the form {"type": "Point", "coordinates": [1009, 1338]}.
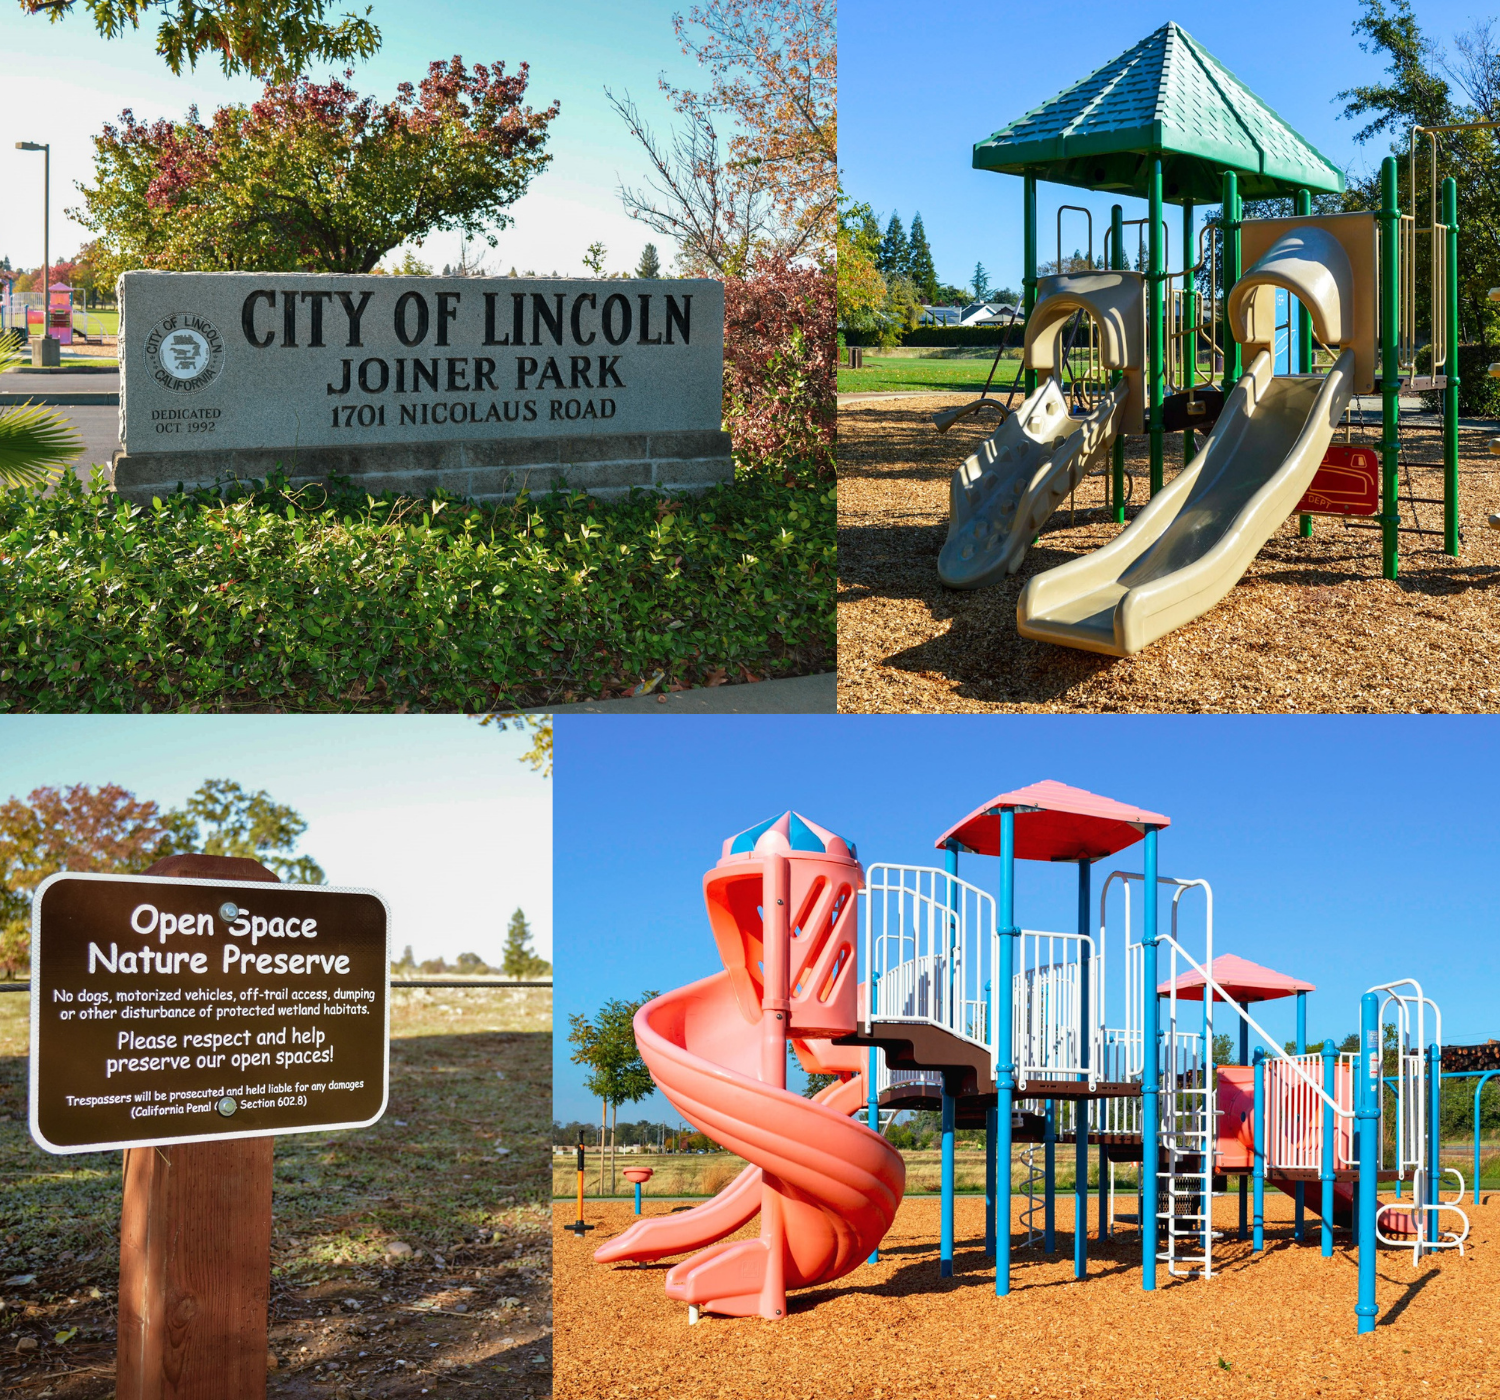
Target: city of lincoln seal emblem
{"type": "Point", "coordinates": [184, 352]}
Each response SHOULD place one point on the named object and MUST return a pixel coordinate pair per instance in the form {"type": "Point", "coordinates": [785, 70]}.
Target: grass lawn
{"type": "Point", "coordinates": [470, 1074]}
{"type": "Point", "coordinates": [960, 376]}
{"type": "Point", "coordinates": [331, 600]}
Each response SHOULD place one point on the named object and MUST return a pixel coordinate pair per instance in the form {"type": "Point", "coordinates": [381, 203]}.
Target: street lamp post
{"type": "Point", "coordinates": [46, 354]}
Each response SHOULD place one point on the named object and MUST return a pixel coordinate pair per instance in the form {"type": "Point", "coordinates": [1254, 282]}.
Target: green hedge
{"type": "Point", "coordinates": [315, 599]}
{"type": "Point", "coordinates": [1478, 394]}
{"type": "Point", "coordinates": [943, 337]}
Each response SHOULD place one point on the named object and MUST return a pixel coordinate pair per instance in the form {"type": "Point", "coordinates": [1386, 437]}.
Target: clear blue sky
{"type": "Point", "coordinates": [63, 82]}
{"type": "Point", "coordinates": [920, 84]}
{"type": "Point", "coordinates": [434, 812]}
{"type": "Point", "coordinates": [1343, 851]}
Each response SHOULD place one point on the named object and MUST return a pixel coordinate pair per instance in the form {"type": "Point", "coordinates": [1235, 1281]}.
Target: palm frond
{"type": "Point", "coordinates": [36, 442]}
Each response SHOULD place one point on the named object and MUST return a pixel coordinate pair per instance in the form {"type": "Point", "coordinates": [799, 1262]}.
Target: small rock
{"type": "Point", "coordinates": [397, 1249]}
{"type": "Point", "coordinates": [460, 1308]}
{"type": "Point", "coordinates": [440, 1261]}
{"type": "Point", "coordinates": [332, 1366]}
{"type": "Point", "coordinates": [26, 1344]}
{"type": "Point", "coordinates": [352, 1303]}
{"type": "Point", "coordinates": [508, 1303]}
{"type": "Point", "coordinates": [502, 1151]}
{"type": "Point", "coordinates": [272, 1361]}
{"type": "Point", "coordinates": [21, 1280]}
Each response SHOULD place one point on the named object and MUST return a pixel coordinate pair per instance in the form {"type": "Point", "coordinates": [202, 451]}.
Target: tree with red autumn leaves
{"type": "Point", "coordinates": [108, 830]}
{"type": "Point", "coordinates": [313, 177]}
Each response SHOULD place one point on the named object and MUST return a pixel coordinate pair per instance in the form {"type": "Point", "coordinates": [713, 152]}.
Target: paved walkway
{"type": "Point", "coordinates": [802, 695]}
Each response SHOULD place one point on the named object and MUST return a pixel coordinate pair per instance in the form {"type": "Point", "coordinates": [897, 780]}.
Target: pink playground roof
{"type": "Point", "coordinates": [1054, 822]}
{"type": "Point", "coordinates": [1244, 980]}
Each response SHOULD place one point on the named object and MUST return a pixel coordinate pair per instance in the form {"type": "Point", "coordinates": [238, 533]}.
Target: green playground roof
{"type": "Point", "coordinates": [1166, 95]}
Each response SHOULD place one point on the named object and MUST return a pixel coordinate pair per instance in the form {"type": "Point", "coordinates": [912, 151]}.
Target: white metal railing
{"type": "Point", "coordinates": [930, 949]}
{"type": "Point", "coordinates": [1055, 973]}
{"type": "Point", "coordinates": [1294, 1113]}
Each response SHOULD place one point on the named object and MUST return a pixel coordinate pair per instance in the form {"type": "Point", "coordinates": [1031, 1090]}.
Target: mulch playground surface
{"type": "Point", "coordinates": [1278, 1325]}
{"type": "Point", "coordinates": [1311, 627]}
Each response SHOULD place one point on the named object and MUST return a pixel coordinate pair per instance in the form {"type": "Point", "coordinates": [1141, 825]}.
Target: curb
{"type": "Point", "coordinates": [800, 695]}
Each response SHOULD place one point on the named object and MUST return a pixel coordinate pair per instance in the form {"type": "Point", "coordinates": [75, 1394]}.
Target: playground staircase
{"type": "Point", "coordinates": [1185, 1210]}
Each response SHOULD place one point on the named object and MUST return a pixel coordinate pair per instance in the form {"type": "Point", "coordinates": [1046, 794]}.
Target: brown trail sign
{"type": "Point", "coordinates": [187, 1015]}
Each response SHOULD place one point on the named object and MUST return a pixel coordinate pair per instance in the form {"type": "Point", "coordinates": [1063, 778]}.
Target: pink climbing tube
{"type": "Point", "coordinates": [826, 1187]}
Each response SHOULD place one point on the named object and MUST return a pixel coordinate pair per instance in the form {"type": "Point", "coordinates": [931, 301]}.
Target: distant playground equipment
{"type": "Point", "coordinates": [579, 1227]}
{"type": "Point", "coordinates": [1148, 351]}
{"type": "Point", "coordinates": [638, 1177]}
{"type": "Point", "coordinates": [1037, 1037]}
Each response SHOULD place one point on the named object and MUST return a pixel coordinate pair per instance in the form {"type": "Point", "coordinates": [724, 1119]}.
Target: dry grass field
{"type": "Point", "coordinates": [1312, 627]}
{"type": "Point", "coordinates": [1279, 1325]}
{"type": "Point", "coordinates": [455, 1169]}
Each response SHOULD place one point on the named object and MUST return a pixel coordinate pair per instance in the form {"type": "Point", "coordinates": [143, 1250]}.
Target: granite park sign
{"type": "Point", "coordinates": [476, 385]}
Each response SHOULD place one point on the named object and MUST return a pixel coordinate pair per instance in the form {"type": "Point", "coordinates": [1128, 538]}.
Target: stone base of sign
{"type": "Point", "coordinates": [493, 470]}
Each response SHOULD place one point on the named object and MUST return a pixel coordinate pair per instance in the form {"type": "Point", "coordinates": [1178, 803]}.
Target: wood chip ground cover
{"type": "Point", "coordinates": [1312, 627]}
{"type": "Point", "coordinates": [1278, 1325]}
{"type": "Point", "coordinates": [468, 1312]}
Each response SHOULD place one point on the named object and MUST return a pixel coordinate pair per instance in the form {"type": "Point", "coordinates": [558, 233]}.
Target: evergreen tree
{"type": "Point", "coordinates": [650, 263]}
{"type": "Point", "coordinates": [520, 961]}
{"type": "Point", "coordinates": [895, 252]}
{"type": "Point", "coordinates": [981, 282]}
{"type": "Point", "coordinates": [921, 269]}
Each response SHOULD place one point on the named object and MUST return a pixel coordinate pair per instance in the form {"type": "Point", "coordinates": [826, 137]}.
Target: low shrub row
{"type": "Point", "coordinates": [329, 599]}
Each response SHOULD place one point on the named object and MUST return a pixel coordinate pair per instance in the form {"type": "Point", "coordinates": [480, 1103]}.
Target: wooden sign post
{"type": "Point", "coordinates": [188, 1016]}
{"type": "Point", "coordinates": [195, 1246]}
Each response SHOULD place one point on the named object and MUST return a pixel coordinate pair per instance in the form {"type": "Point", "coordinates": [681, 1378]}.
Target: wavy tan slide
{"type": "Point", "coordinates": [1007, 490]}
{"type": "Point", "coordinates": [1003, 494]}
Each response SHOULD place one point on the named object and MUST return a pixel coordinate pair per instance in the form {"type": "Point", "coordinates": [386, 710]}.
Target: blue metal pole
{"type": "Point", "coordinates": [1479, 1089]}
{"type": "Point", "coordinates": [872, 1091]}
{"type": "Point", "coordinates": [1244, 1182]}
{"type": "Point", "coordinates": [1428, 1218]}
{"type": "Point", "coordinates": [945, 1248]}
{"type": "Point", "coordinates": [1005, 1068]}
{"type": "Point", "coordinates": [1150, 1074]}
{"type": "Point", "coordinates": [1367, 1079]}
{"type": "Point", "coordinates": [1301, 1193]}
{"type": "Point", "coordinates": [1330, 1059]}
{"type": "Point", "coordinates": [989, 1183]}
{"type": "Point", "coordinates": [1260, 1150]}
{"type": "Point", "coordinates": [1081, 1119]}
{"type": "Point", "coordinates": [638, 1198]}
{"type": "Point", "coordinates": [1049, 1217]}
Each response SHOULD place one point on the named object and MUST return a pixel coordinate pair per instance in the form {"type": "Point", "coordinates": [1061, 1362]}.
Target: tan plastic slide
{"type": "Point", "coordinates": [1004, 493]}
{"type": "Point", "coordinates": [1195, 539]}
{"type": "Point", "coordinates": [1190, 545]}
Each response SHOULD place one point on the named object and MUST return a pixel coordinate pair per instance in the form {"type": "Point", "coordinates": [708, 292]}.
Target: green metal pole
{"type": "Point", "coordinates": [1390, 298]}
{"type": "Point", "coordinates": [1117, 262]}
{"type": "Point", "coordinates": [1029, 282]}
{"type": "Point", "coordinates": [1304, 336]}
{"type": "Point", "coordinates": [1190, 340]}
{"type": "Point", "coordinates": [1230, 228]}
{"type": "Point", "coordinates": [1157, 287]}
{"type": "Point", "coordinates": [1450, 394]}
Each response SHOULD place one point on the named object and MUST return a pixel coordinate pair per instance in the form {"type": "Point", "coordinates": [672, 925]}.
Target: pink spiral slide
{"type": "Point", "coordinates": [826, 1187]}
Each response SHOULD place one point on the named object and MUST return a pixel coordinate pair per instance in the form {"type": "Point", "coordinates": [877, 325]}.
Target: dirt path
{"type": "Point", "coordinates": [1311, 627]}
{"type": "Point", "coordinates": [1279, 1325]}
